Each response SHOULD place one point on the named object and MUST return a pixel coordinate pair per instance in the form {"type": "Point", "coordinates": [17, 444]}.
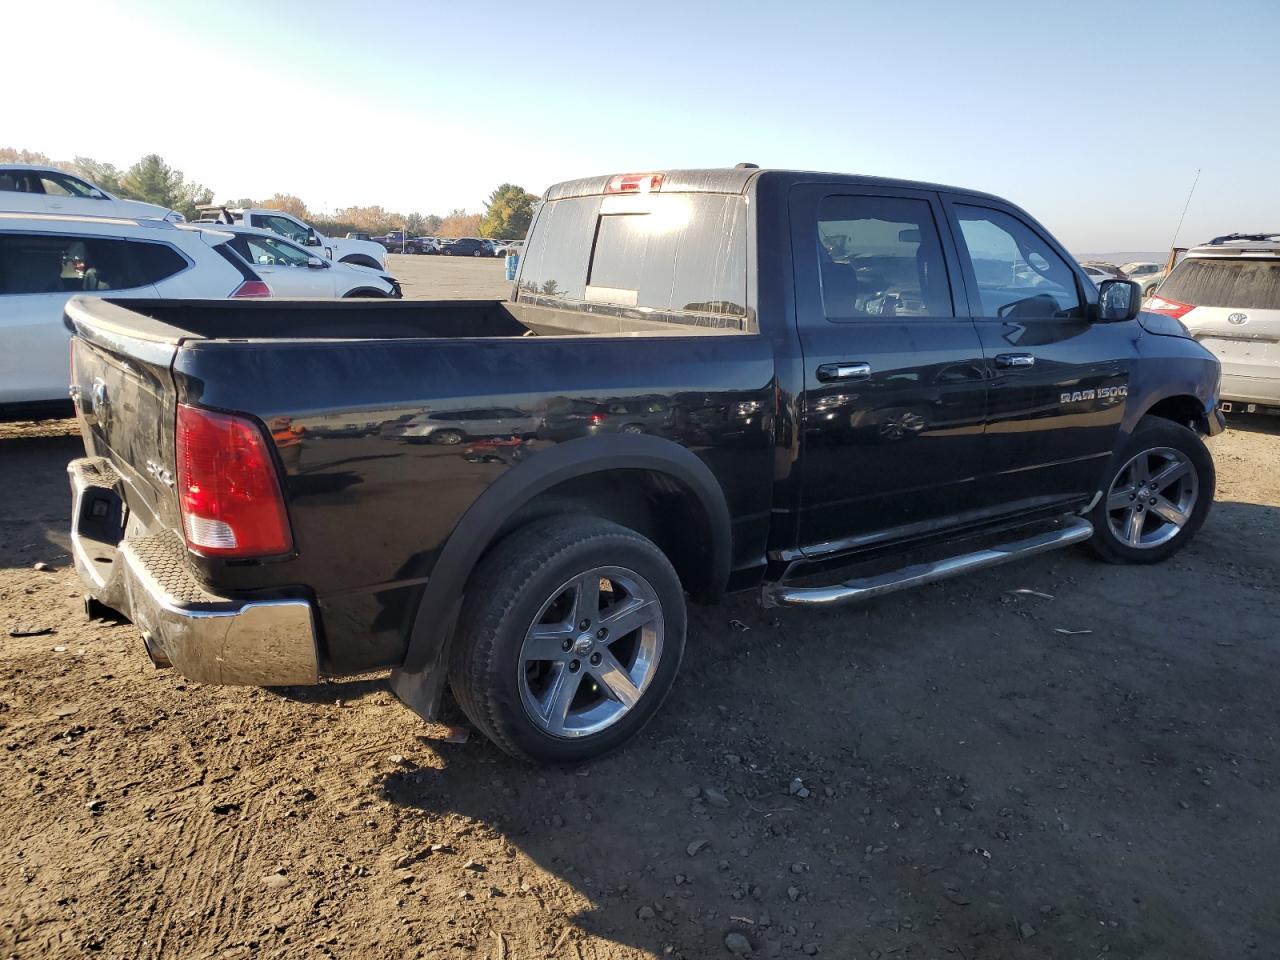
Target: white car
{"type": "Point", "coordinates": [29, 188]}
{"type": "Point", "coordinates": [1227, 294]}
{"type": "Point", "coordinates": [1147, 275]}
{"type": "Point", "coordinates": [364, 253]}
{"type": "Point", "coordinates": [291, 271]}
{"type": "Point", "coordinates": [45, 259]}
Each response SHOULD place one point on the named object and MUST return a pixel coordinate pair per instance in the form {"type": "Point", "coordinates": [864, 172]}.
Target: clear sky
{"type": "Point", "coordinates": [1092, 115]}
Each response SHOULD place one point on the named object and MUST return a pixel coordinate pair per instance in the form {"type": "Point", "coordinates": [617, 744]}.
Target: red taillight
{"type": "Point", "coordinates": [251, 289]}
{"type": "Point", "coordinates": [634, 183]}
{"type": "Point", "coordinates": [1173, 308]}
{"type": "Point", "coordinates": [228, 489]}
{"type": "Point", "coordinates": [596, 419]}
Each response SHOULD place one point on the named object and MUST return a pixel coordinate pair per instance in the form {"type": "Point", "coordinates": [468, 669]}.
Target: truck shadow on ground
{"type": "Point", "coordinates": [972, 780]}
{"type": "Point", "coordinates": [30, 531]}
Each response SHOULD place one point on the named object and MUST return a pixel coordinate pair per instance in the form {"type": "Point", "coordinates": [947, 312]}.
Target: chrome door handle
{"type": "Point", "coordinates": [844, 371]}
{"type": "Point", "coordinates": [1008, 360]}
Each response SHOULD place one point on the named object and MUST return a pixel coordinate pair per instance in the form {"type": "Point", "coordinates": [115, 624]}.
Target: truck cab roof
{"type": "Point", "coordinates": [727, 180]}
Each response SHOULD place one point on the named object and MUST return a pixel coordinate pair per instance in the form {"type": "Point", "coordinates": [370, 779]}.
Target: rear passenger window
{"type": "Point", "coordinates": [32, 263]}
{"type": "Point", "coordinates": [881, 257]}
{"type": "Point", "coordinates": [1019, 275]}
{"type": "Point", "coordinates": [1242, 284]}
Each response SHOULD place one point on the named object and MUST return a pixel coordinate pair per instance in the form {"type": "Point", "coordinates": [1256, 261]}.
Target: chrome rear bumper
{"type": "Point", "coordinates": [204, 636]}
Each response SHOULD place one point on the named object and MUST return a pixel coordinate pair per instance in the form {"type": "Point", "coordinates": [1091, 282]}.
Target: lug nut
{"type": "Point", "coordinates": [585, 624]}
{"type": "Point", "coordinates": [573, 666]}
{"type": "Point", "coordinates": [595, 659]}
{"type": "Point", "coordinates": [567, 646]}
{"type": "Point", "coordinates": [1153, 501]}
{"type": "Point", "coordinates": [1133, 496]}
{"type": "Point", "coordinates": [602, 633]}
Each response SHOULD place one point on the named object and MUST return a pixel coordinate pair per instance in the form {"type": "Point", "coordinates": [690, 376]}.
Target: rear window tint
{"type": "Point", "coordinates": [157, 262]}
{"type": "Point", "coordinates": [1248, 284]}
{"type": "Point", "coordinates": [663, 252]}
{"type": "Point", "coordinates": [44, 263]}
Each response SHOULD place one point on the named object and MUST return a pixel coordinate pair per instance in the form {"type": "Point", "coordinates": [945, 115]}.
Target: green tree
{"type": "Point", "coordinates": [508, 213]}
{"type": "Point", "coordinates": [153, 180]}
{"type": "Point", "coordinates": [104, 175]}
{"type": "Point", "coordinates": [431, 224]}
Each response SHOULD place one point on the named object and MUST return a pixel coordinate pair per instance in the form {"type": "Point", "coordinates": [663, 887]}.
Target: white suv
{"type": "Point", "coordinates": [28, 188]}
{"type": "Point", "coordinates": [1227, 294]}
{"type": "Point", "coordinates": [291, 271]}
{"type": "Point", "coordinates": [46, 259]}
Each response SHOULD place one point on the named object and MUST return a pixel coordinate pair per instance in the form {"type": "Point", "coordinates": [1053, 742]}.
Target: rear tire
{"type": "Point", "coordinates": [1157, 496]}
{"type": "Point", "coordinates": [509, 667]}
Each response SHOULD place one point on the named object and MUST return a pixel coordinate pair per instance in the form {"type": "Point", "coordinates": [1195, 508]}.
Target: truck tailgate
{"type": "Point", "coordinates": [126, 406]}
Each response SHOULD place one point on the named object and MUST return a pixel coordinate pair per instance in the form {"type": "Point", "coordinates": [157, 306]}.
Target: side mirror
{"type": "Point", "coordinates": [1118, 300]}
{"type": "Point", "coordinates": [312, 240]}
{"type": "Point", "coordinates": [315, 263]}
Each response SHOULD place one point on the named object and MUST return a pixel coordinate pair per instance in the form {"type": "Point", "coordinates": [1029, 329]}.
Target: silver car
{"type": "Point", "coordinates": [1227, 293]}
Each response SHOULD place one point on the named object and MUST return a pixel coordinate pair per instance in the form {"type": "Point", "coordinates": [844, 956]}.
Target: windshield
{"type": "Point", "coordinates": [1243, 284]}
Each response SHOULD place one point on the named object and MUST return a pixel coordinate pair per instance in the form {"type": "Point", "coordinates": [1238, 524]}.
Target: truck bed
{"type": "Point", "coordinates": [175, 321]}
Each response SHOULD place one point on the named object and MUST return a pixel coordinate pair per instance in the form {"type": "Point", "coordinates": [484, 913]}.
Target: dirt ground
{"type": "Point", "coordinates": [973, 782]}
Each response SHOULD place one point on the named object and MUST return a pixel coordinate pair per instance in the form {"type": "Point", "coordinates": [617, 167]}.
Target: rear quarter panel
{"type": "Point", "coordinates": [371, 507]}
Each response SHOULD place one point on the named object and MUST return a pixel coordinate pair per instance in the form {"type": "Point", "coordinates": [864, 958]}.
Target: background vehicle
{"type": "Point", "coordinates": [363, 253]}
{"type": "Point", "coordinates": [291, 271]}
{"type": "Point", "coordinates": [1227, 294]}
{"type": "Point", "coordinates": [467, 247]}
{"type": "Point", "coordinates": [44, 260]}
{"type": "Point", "coordinates": [28, 188]}
{"type": "Point", "coordinates": [1146, 275]}
{"type": "Point", "coordinates": [504, 247]}
{"type": "Point", "coordinates": [358, 236]}
{"type": "Point", "coordinates": [903, 368]}
{"type": "Point", "coordinates": [449, 427]}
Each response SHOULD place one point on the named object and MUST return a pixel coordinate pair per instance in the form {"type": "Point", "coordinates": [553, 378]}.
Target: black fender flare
{"type": "Point", "coordinates": [419, 680]}
{"type": "Point", "coordinates": [362, 260]}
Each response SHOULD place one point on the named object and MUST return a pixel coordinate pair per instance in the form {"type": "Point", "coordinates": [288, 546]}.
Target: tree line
{"type": "Point", "coordinates": [506, 215]}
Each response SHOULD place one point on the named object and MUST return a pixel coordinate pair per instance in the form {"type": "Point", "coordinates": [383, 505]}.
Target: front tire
{"type": "Point", "coordinates": [1157, 496]}
{"type": "Point", "coordinates": [570, 637]}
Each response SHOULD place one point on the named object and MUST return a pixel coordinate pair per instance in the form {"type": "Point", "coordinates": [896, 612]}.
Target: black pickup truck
{"type": "Point", "coordinates": [704, 381]}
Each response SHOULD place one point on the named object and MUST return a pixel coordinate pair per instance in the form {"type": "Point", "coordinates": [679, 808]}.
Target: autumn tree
{"type": "Point", "coordinates": [459, 223]}
{"type": "Point", "coordinates": [508, 213]}
{"type": "Point", "coordinates": [289, 204]}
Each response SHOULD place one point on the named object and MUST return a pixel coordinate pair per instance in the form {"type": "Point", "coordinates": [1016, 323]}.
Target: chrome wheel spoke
{"type": "Point", "coordinates": [554, 707]}
{"type": "Point", "coordinates": [627, 617]}
{"type": "Point", "coordinates": [546, 641]}
{"type": "Point", "coordinates": [586, 599]}
{"type": "Point", "coordinates": [1139, 472]}
{"type": "Point", "coordinates": [1121, 499]}
{"type": "Point", "coordinates": [1170, 511]}
{"type": "Point", "coordinates": [1133, 527]}
{"type": "Point", "coordinates": [616, 680]}
{"type": "Point", "coordinates": [1169, 473]}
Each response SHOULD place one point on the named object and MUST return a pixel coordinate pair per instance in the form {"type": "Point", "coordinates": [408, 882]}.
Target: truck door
{"type": "Point", "coordinates": [895, 387]}
{"type": "Point", "coordinates": [1058, 380]}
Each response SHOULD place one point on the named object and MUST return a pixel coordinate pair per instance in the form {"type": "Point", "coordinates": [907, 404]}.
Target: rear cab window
{"type": "Point", "coordinates": [1246, 284]}
{"type": "Point", "coordinates": [676, 257]}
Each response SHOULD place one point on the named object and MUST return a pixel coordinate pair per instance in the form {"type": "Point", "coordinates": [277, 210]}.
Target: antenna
{"type": "Point", "coordinates": [1185, 206]}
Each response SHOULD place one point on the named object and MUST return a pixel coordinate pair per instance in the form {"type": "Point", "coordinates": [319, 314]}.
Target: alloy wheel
{"type": "Point", "coordinates": [1152, 498]}
{"type": "Point", "coordinates": [591, 652]}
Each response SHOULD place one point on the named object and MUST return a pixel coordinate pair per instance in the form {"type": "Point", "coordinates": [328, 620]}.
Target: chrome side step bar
{"type": "Point", "coordinates": [781, 595]}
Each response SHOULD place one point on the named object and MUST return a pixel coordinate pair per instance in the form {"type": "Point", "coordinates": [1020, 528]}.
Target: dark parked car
{"type": "Point", "coordinates": [821, 370]}
{"type": "Point", "coordinates": [467, 247]}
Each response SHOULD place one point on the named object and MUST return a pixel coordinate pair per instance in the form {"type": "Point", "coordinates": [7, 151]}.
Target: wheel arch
{"type": "Point", "coordinates": [607, 476]}
{"type": "Point", "coordinates": [370, 292]}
